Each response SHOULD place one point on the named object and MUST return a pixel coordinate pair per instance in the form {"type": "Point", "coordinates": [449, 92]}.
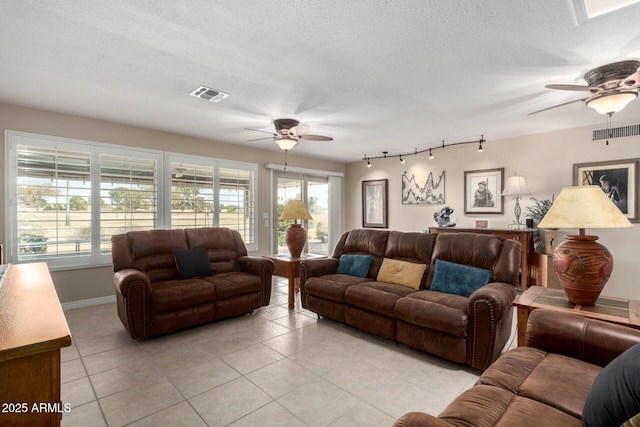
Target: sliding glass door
{"type": "Point", "coordinates": [314, 191]}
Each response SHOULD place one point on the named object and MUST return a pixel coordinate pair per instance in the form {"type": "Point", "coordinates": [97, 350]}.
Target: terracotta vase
{"type": "Point", "coordinates": [295, 237]}
{"type": "Point", "coordinates": [583, 267]}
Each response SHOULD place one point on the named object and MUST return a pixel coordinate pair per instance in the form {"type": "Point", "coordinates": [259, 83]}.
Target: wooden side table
{"type": "Point", "coordinates": [285, 265]}
{"type": "Point", "coordinates": [614, 310]}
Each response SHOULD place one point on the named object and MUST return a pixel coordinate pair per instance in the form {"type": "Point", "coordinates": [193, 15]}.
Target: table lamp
{"type": "Point", "coordinates": [583, 266]}
{"type": "Point", "coordinates": [295, 236]}
{"type": "Point", "coordinates": [516, 187]}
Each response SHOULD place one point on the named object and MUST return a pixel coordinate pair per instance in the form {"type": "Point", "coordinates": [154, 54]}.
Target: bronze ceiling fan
{"type": "Point", "coordinates": [612, 87]}
{"type": "Point", "coordinates": [289, 132]}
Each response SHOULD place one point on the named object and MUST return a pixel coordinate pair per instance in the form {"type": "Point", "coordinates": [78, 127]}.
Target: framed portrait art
{"type": "Point", "coordinates": [375, 204]}
{"type": "Point", "coordinates": [483, 191]}
{"type": "Point", "coordinates": [618, 179]}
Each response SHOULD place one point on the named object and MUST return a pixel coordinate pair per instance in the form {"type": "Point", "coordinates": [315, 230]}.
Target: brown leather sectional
{"type": "Point", "coordinates": [471, 330]}
{"type": "Point", "coordinates": [152, 300]}
{"type": "Point", "coordinates": [545, 383]}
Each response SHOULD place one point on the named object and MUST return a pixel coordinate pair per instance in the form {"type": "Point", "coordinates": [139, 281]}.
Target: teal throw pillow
{"type": "Point", "coordinates": [354, 265]}
{"type": "Point", "coordinates": [458, 279]}
{"type": "Point", "coordinates": [614, 397]}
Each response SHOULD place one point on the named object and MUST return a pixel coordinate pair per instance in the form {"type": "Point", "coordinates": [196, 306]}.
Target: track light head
{"type": "Point", "coordinates": [430, 154]}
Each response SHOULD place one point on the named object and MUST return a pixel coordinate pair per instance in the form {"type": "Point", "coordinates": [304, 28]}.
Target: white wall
{"type": "Point", "coordinates": [546, 160]}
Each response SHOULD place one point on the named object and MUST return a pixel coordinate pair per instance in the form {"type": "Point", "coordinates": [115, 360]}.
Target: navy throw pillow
{"type": "Point", "coordinates": [354, 265]}
{"type": "Point", "coordinates": [615, 395]}
{"type": "Point", "coordinates": [458, 279]}
{"type": "Point", "coordinates": [192, 262]}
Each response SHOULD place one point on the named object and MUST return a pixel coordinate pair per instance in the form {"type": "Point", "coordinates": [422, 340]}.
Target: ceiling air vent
{"type": "Point", "coordinates": [619, 132]}
{"type": "Point", "coordinates": [209, 94]}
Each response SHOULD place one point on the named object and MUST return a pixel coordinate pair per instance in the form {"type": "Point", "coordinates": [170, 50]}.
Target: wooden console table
{"type": "Point", "coordinates": [525, 237]}
{"type": "Point", "coordinates": [33, 329]}
{"type": "Point", "coordinates": [614, 310]}
{"type": "Point", "coordinates": [287, 266]}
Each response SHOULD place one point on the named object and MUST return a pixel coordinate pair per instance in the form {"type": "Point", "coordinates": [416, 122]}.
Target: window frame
{"type": "Point", "coordinates": [163, 160]}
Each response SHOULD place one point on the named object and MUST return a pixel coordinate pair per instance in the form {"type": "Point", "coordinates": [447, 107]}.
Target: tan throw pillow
{"type": "Point", "coordinates": [401, 273]}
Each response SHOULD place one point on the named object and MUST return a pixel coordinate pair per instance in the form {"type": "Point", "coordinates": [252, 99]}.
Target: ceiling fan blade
{"type": "Point", "coordinates": [263, 131]}
{"type": "Point", "coordinates": [572, 87]}
{"type": "Point", "coordinates": [316, 138]}
{"type": "Point", "coordinates": [259, 139]}
{"type": "Point", "coordinates": [559, 105]}
{"type": "Point", "coordinates": [298, 130]}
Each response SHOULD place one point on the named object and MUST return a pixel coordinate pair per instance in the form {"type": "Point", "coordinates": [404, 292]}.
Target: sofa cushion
{"type": "Point", "coordinates": [192, 262]}
{"type": "Point", "coordinates": [615, 395]}
{"type": "Point", "coordinates": [354, 265]}
{"type": "Point", "coordinates": [332, 286]}
{"type": "Point", "coordinates": [434, 310]}
{"type": "Point", "coordinates": [235, 283]}
{"type": "Point", "coordinates": [377, 297]}
{"type": "Point", "coordinates": [458, 279]}
{"type": "Point", "coordinates": [528, 372]}
{"type": "Point", "coordinates": [401, 273]}
{"type": "Point", "coordinates": [171, 295]}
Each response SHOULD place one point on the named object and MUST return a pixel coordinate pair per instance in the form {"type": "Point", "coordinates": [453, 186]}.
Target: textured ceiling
{"type": "Point", "coordinates": [375, 75]}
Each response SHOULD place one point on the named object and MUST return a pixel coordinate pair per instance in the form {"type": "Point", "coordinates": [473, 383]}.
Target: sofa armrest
{"type": "Point", "coordinates": [419, 419]}
{"type": "Point", "coordinates": [133, 291]}
{"type": "Point", "coordinates": [591, 340]}
{"type": "Point", "coordinates": [490, 322]}
{"type": "Point", "coordinates": [315, 268]}
{"type": "Point", "coordinates": [261, 267]}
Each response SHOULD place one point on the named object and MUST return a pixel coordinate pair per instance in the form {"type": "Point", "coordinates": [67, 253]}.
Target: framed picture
{"type": "Point", "coordinates": [618, 179]}
{"type": "Point", "coordinates": [422, 191]}
{"type": "Point", "coordinates": [483, 191]}
{"type": "Point", "coordinates": [374, 204]}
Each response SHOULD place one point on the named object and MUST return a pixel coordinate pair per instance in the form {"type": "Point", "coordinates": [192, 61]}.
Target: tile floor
{"type": "Point", "coordinates": [276, 367]}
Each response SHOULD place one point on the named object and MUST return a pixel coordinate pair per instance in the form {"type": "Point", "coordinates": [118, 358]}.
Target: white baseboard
{"type": "Point", "coordinates": [88, 302]}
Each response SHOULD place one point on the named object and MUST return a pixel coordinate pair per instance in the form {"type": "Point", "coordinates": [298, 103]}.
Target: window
{"type": "Point", "coordinates": [66, 198]}
{"type": "Point", "coordinates": [206, 192]}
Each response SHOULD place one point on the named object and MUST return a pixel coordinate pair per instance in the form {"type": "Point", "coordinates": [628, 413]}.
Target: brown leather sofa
{"type": "Point", "coordinates": [151, 298]}
{"type": "Point", "coordinates": [545, 383]}
{"type": "Point", "coordinates": [471, 330]}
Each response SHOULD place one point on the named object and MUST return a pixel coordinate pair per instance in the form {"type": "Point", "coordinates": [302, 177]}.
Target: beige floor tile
{"type": "Point", "coordinates": [271, 415]}
{"type": "Point", "coordinates": [136, 403]}
{"type": "Point", "coordinates": [82, 416]}
{"type": "Point", "coordinates": [180, 415]}
{"type": "Point", "coordinates": [295, 321]}
{"type": "Point", "coordinates": [251, 358]}
{"type": "Point", "coordinates": [115, 358]}
{"type": "Point", "coordinates": [319, 402]}
{"type": "Point", "coordinates": [287, 344]}
{"type": "Point", "coordinates": [203, 377]}
{"type": "Point", "coordinates": [359, 377]}
{"type": "Point", "coordinates": [272, 312]}
{"type": "Point", "coordinates": [364, 415]}
{"type": "Point", "coordinates": [77, 392]}
{"type": "Point", "coordinates": [281, 377]}
{"type": "Point", "coordinates": [229, 402]}
{"type": "Point", "coordinates": [399, 397]}
{"type": "Point", "coordinates": [131, 375]}
{"type": "Point", "coordinates": [72, 370]}
{"type": "Point", "coordinates": [69, 353]}
{"type": "Point", "coordinates": [104, 343]}
{"type": "Point", "coordinates": [449, 379]}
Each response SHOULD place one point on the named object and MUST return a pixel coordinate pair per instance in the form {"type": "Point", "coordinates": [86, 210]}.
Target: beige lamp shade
{"type": "Point", "coordinates": [516, 186]}
{"type": "Point", "coordinates": [584, 207]}
{"type": "Point", "coordinates": [294, 210]}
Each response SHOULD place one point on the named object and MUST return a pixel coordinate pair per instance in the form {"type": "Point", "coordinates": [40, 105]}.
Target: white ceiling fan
{"type": "Point", "coordinates": [612, 87]}
{"type": "Point", "coordinates": [289, 132]}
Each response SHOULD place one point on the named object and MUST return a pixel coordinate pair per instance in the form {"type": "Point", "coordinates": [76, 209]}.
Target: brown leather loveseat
{"type": "Point", "coordinates": [153, 299]}
{"type": "Point", "coordinates": [557, 379]}
{"type": "Point", "coordinates": [471, 329]}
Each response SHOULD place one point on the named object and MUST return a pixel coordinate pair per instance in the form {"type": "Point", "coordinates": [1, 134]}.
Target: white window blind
{"type": "Point", "coordinates": [128, 196]}
{"type": "Point", "coordinates": [237, 208]}
{"type": "Point", "coordinates": [53, 203]}
{"type": "Point", "coordinates": [192, 198]}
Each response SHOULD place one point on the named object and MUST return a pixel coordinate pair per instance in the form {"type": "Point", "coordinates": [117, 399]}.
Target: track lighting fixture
{"type": "Point", "coordinates": [402, 159]}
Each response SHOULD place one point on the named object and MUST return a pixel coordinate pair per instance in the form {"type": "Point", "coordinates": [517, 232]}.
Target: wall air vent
{"type": "Point", "coordinates": [619, 132]}
{"type": "Point", "coordinates": [209, 94]}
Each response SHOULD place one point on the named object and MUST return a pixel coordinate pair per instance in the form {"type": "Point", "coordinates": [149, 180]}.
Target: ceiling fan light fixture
{"type": "Point", "coordinates": [609, 103]}
{"type": "Point", "coordinates": [286, 142]}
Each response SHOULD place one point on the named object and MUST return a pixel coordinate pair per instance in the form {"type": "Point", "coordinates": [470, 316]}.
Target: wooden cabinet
{"type": "Point", "coordinates": [33, 329]}
{"type": "Point", "coordinates": [525, 237]}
